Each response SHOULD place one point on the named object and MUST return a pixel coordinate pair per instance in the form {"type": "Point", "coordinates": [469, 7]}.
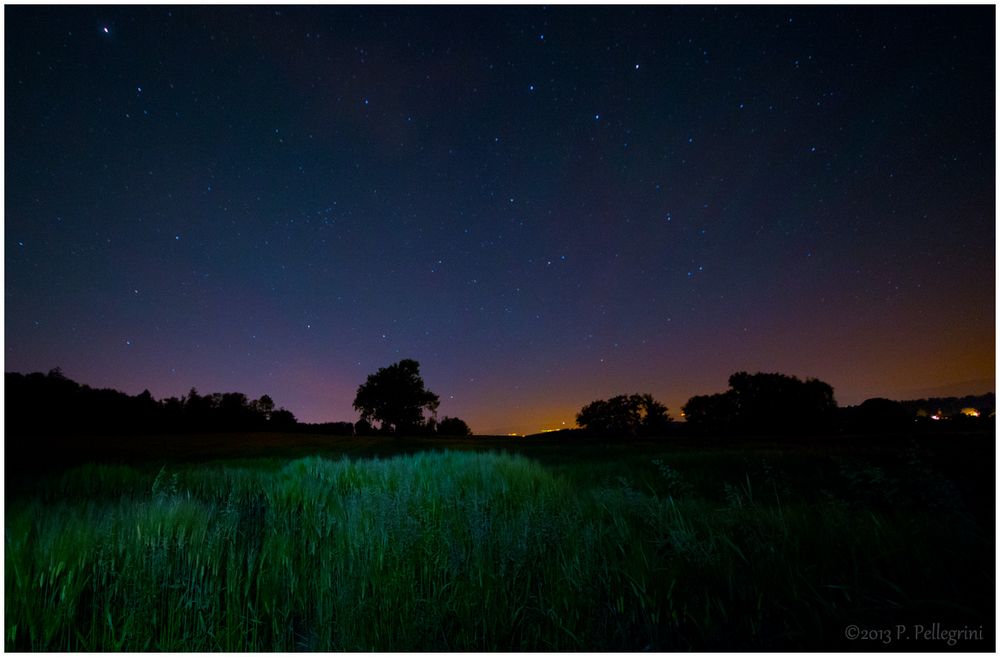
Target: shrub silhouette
{"type": "Point", "coordinates": [882, 415]}
{"type": "Point", "coordinates": [453, 426]}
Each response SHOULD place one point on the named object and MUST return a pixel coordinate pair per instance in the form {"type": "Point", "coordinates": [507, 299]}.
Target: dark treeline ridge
{"type": "Point", "coordinates": [778, 404]}
{"type": "Point", "coordinates": [51, 403]}
{"type": "Point", "coordinates": [774, 404]}
{"type": "Point", "coordinates": [755, 404]}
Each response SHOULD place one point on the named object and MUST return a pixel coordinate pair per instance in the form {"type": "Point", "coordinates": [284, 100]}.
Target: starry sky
{"type": "Point", "coordinates": [543, 206]}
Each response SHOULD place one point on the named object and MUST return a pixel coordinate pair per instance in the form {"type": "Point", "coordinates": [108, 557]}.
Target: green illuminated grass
{"type": "Point", "coordinates": [473, 551]}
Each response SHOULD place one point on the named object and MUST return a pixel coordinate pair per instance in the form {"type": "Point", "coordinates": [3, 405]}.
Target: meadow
{"type": "Point", "coordinates": [500, 544]}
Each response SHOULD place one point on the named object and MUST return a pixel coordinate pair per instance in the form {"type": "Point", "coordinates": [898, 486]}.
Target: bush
{"type": "Point", "coordinates": [453, 426]}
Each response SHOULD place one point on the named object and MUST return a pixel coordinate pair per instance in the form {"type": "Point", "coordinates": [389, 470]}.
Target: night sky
{"type": "Point", "coordinates": [543, 206]}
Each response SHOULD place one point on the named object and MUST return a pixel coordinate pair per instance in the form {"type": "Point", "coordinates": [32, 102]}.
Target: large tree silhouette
{"type": "Point", "coordinates": [765, 402]}
{"type": "Point", "coordinates": [395, 397]}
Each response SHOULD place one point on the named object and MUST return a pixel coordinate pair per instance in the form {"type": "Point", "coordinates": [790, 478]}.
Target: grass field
{"type": "Point", "coordinates": [257, 544]}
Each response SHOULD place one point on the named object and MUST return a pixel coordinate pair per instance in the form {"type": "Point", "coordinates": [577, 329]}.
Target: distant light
{"type": "Point", "coordinates": [106, 31]}
{"type": "Point", "coordinates": [935, 417]}
{"type": "Point", "coordinates": [970, 412]}
{"type": "Point", "coordinates": [597, 117]}
{"type": "Point", "coordinates": [637, 67]}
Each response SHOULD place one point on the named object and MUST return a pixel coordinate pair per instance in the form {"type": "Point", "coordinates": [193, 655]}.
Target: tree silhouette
{"type": "Point", "coordinates": [395, 397]}
{"type": "Point", "coordinates": [453, 426]}
{"type": "Point", "coordinates": [711, 411]}
{"type": "Point", "coordinates": [282, 419]}
{"type": "Point", "coordinates": [765, 402]}
{"type": "Point", "coordinates": [628, 415]}
{"type": "Point", "coordinates": [264, 406]}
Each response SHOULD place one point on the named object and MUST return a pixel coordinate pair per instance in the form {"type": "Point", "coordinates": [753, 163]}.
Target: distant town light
{"type": "Point", "coordinates": [970, 412]}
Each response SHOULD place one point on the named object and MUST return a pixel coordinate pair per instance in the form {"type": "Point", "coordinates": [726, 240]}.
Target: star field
{"type": "Point", "coordinates": [544, 206]}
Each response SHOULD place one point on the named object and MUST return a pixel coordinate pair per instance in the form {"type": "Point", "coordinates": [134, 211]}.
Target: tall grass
{"type": "Point", "coordinates": [460, 551]}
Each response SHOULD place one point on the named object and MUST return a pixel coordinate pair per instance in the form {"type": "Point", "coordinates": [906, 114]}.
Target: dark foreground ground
{"type": "Point", "coordinates": [247, 542]}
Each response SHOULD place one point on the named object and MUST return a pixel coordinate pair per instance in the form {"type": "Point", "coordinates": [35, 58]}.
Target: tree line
{"type": "Point", "coordinates": [395, 401]}
{"type": "Point", "coordinates": [392, 401]}
{"type": "Point", "coordinates": [39, 403]}
{"type": "Point", "coordinates": [778, 404]}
